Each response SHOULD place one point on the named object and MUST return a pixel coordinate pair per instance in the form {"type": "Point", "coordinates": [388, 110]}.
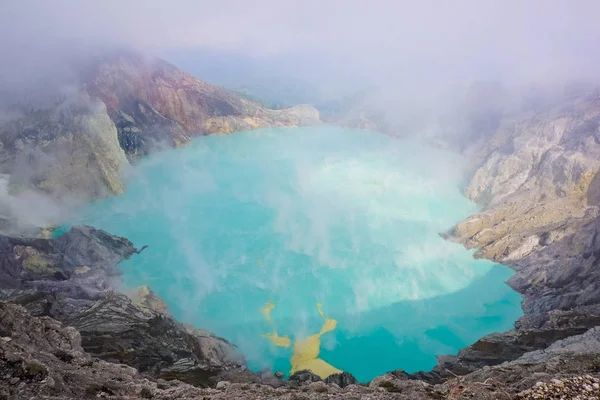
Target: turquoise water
{"type": "Point", "coordinates": [300, 216]}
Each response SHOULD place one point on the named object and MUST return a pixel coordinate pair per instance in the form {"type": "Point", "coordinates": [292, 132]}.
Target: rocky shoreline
{"type": "Point", "coordinates": [537, 179]}
{"type": "Point", "coordinates": [44, 359]}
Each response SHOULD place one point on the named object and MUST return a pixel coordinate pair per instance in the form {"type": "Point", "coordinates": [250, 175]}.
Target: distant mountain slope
{"type": "Point", "coordinates": [132, 87]}
{"type": "Point", "coordinates": [70, 147]}
{"type": "Point", "coordinates": [275, 82]}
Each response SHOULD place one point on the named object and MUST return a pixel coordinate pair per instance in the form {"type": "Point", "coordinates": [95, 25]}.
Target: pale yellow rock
{"type": "Point", "coordinates": [251, 122]}
{"type": "Point", "coordinates": [82, 161]}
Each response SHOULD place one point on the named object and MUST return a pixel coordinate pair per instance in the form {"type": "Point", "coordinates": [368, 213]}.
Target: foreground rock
{"type": "Point", "coordinates": [581, 387]}
{"type": "Point", "coordinates": [42, 358]}
{"type": "Point", "coordinates": [115, 329]}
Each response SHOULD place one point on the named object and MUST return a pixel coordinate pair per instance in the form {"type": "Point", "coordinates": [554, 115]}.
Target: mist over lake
{"type": "Point", "coordinates": [318, 245]}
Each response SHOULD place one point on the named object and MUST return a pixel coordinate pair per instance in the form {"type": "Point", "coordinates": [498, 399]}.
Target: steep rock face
{"type": "Point", "coordinates": [70, 149]}
{"type": "Point", "coordinates": [540, 186]}
{"type": "Point", "coordinates": [586, 343]}
{"type": "Point", "coordinates": [124, 81]}
{"type": "Point", "coordinates": [536, 179]}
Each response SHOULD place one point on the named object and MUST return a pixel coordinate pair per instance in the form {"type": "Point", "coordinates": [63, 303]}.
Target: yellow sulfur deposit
{"type": "Point", "coordinates": [306, 351]}
{"type": "Point", "coordinates": [320, 309]}
{"type": "Point", "coordinates": [266, 310]}
{"type": "Point", "coordinates": [279, 341]}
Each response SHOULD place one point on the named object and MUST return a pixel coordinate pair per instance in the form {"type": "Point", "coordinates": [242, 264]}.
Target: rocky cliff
{"type": "Point", "coordinates": [122, 106]}
{"type": "Point", "coordinates": [536, 179]}
{"type": "Point", "coordinates": [535, 173]}
{"type": "Point", "coordinates": [69, 149]}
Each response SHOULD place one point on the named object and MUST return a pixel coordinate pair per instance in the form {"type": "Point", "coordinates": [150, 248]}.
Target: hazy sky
{"type": "Point", "coordinates": [400, 41]}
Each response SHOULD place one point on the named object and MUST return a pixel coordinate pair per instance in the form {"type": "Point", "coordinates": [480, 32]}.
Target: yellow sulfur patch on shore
{"type": "Point", "coordinates": [279, 341]}
{"type": "Point", "coordinates": [306, 351]}
{"type": "Point", "coordinates": [317, 367]}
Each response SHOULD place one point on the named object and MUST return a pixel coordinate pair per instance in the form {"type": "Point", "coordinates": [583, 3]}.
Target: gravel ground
{"type": "Point", "coordinates": [577, 388]}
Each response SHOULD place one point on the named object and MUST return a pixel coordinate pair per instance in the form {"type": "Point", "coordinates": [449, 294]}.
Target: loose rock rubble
{"type": "Point", "coordinates": [576, 388]}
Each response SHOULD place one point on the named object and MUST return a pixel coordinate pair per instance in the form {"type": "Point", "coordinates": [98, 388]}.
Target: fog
{"type": "Point", "coordinates": [408, 45]}
{"type": "Point", "coordinates": [422, 56]}
{"type": "Point", "coordinates": [429, 62]}
{"type": "Point", "coordinates": [296, 217]}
